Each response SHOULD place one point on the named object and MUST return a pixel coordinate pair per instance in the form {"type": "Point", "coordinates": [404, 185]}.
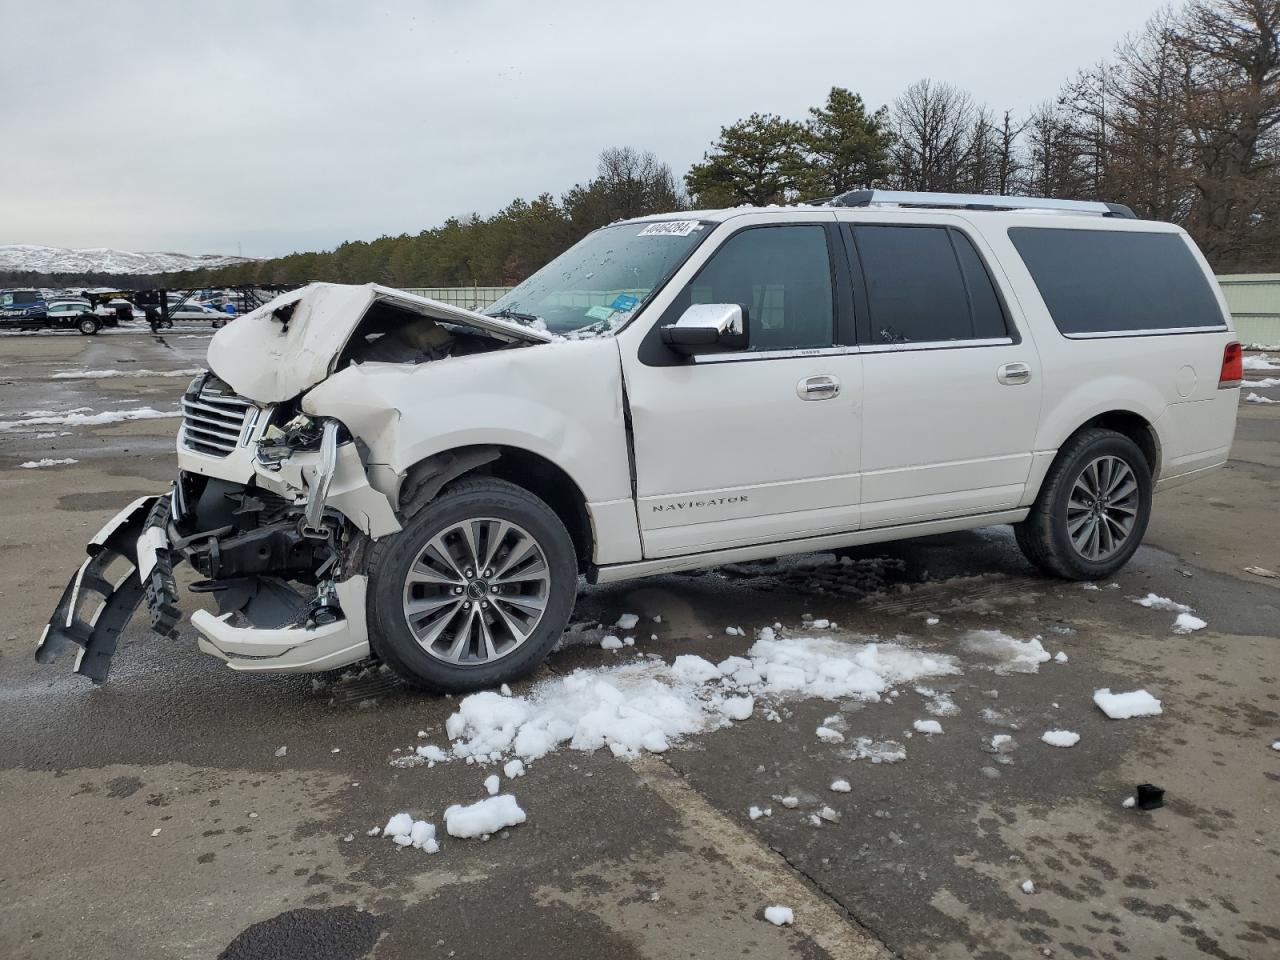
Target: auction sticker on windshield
{"type": "Point", "coordinates": [670, 228]}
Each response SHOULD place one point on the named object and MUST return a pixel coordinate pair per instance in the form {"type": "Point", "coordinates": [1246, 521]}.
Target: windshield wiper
{"type": "Point", "coordinates": [508, 314]}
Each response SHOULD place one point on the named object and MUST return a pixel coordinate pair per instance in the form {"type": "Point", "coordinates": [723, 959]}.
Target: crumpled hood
{"type": "Point", "coordinates": [270, 358]}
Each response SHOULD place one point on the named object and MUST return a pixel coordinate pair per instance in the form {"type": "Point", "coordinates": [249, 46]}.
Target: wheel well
{"type": "Point", "coordinates": [1135, 427]}
{"type": "Point", "coordinates": [534, 473]}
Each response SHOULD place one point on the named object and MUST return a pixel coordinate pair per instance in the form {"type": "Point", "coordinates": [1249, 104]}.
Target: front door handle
{"type": "Point", "coordinates": [818, 388]}
{"type": "Point", "coordinates": [1012, 374]}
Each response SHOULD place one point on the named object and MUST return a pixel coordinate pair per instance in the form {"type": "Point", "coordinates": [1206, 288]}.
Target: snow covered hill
{"type": "Point", "coordinates": [23, 256]}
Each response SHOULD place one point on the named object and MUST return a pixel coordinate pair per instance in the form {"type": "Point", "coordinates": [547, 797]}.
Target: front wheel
{"type": "Point", "coordinates": [1092, 510]}
{"type": "Point", "coordinates": [474, 591]}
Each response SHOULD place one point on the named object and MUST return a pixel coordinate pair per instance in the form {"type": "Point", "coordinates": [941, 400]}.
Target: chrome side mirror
{"type": "Point", "coordinates": [708, 328]}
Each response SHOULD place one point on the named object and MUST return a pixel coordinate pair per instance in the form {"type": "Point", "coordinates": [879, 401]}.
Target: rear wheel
{"type": "Point", "coordinates": [1092, 510]}
{"type": "Point", "coordinates": [88, 325]}
{"type": "Point", "coordinates": [476, 589]}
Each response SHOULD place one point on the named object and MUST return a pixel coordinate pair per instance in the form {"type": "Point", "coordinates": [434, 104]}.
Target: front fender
{"type": "Point", "coordinates": [561, 401]}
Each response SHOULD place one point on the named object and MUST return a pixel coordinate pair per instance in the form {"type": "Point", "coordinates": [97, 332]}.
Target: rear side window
{"type": "Point", "coordinates": [926, 284]}
{"type": "Point", "coordinates": [1112, 281]}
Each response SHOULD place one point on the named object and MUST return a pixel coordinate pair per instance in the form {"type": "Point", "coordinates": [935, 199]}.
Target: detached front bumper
{"type": "Point", "coordinates": [132, 558]}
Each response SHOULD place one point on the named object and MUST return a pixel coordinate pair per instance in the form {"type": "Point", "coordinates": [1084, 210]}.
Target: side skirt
{"type": "Point", "coordinates": [648, 568]}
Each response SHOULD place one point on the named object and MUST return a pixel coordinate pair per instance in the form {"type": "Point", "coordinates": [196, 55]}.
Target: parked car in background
{"type": "Point", "coordinates": [367, 472]}
{"type": "Point", "coordinates": [119, 308]}
{"type": "Point", "coordinates": [194, 311]}
{"type": "Point", "coordinates": [22, 310]}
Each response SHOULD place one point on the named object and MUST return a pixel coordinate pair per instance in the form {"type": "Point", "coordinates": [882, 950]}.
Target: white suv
{"type": "Point", "coordinates": [368, 472]}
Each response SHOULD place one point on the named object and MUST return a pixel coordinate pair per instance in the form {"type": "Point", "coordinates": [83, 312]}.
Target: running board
{"type": "Point", "coordinates": [760, 551]}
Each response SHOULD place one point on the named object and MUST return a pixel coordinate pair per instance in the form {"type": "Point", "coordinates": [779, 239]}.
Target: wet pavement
{"type": "Point", "coordinates": [654, 857]}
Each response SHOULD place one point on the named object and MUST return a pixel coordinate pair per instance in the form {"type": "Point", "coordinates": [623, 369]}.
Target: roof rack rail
{"type": "Point", "coordinates": [977, 201]}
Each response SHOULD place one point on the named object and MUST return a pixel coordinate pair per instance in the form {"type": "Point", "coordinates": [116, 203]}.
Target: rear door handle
{"type": "Point", "coordinates": [1012, 374]}
{"type": "Point", "coordinates": [818, 388]}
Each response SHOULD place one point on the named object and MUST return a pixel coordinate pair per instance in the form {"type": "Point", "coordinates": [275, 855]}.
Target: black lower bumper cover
{"type": "Point", "coordinates": [73, 623]}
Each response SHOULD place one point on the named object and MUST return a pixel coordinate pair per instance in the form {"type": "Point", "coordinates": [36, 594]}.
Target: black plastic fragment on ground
{"type": "Point", "coordinates": [338, 933]}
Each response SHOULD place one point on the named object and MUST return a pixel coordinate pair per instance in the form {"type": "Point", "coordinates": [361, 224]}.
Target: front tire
{"type": "Point", "coordinates": [1092, 509]}
{"type": "Point", "coordinates": [474, 591]}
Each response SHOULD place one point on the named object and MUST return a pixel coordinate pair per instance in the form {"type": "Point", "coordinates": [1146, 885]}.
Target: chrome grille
{"type": "Point", "coordinates": [214, 423]}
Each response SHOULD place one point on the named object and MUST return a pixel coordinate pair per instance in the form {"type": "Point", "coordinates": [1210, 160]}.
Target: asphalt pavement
{"type": "Point", "coordinates": [152, 817]}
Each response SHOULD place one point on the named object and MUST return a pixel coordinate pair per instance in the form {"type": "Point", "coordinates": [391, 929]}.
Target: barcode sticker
{"type": "Point", "coordinates": [670, 228]}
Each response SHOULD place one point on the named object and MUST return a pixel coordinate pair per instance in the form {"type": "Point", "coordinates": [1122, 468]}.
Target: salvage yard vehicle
{"type": "Point", "coordinates": [366, 472]}
{"type": "Point", "coordinates": [29, 310]}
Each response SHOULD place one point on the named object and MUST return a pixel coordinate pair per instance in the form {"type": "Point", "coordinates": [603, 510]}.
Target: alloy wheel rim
{"type": "Point", "coordinates": [476, 591]}
{"type": "Point", "coordinates": [1102, 508]}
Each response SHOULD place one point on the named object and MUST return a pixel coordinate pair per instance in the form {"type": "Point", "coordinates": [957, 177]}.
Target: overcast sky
{"type": "Point", "coordinates": [277, 126]}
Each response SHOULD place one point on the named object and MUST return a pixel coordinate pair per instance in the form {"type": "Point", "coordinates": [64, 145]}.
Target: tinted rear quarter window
{"type": "Point", "coordinates": [926, 284]}
{"type": "Point", "coordinates": [1113, 281]}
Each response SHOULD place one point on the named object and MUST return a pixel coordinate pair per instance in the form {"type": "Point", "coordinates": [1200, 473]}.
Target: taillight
{"type": "Point", "coordinates": [1232, 366]}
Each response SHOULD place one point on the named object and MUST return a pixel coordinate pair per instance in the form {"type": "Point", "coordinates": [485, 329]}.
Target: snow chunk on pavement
{"type": "Point", "coordinates": [491, 784]}
{"type": "Point", "coordinates": [483, 817]}
{"type": "Point", "coordinates": [1028, 886]}
{"type": "Point", "coordinates": [737, 708]}
{"type": "Point", "coordinates": [828, 735]}
{"type": "Point", "coordinates": [780, 916]}
{"type": "Point", "coordinates": [513, 769]}
{"type": "Point", "coordinates": [1060, 738]}
{"type": "Point", "coordinates": [1153, 601]}
{"type": "Point", "coordinates": [610, 643]}
{"type": "Point", "coordinates": [927, 726]}
{"type": "Point", "coordinates": [694, 669]}
{"type": "Point", "coordinates": [840, 786]}
{"type": "Point", "coordinates": [1252, 397]}
{"type": "Point", "coordinates": [1188, 623]}
{"type": "Point", "coordinates": [46, 462]}
{"type": "Point", "coordinates": [627, 621]}
{"type": "Point", "coordinates": [878, 751]}
{"type": "Point", "coordinates": [1059, 657]}
{"type": "Point", "coordinates": [1263, 362]}
{"type": "Point", "coordinates": [755, 813]}
{"type": "Point", "coordinates": [398, 826]}
{"type": "Point", "coordinates": [1122, 706]}
{"type": "Point", "coordinates": [1015, 656]}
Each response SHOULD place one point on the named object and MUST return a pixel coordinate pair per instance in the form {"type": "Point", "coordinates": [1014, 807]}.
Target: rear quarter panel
{"type": "Point", "coordinates": [1170, 380]}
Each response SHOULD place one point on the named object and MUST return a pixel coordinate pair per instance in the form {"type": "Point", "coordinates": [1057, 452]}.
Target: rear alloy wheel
{"type": "Point", "coordinates": [88, 326]}
{"type": "Point", "coordinates": [1092, 509]}
{"type": "Point", "coordinates": [476, 589]}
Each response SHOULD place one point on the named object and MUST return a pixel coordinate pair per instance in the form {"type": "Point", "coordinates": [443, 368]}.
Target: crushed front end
{"type": "Point", "coordinates": [261, 512]}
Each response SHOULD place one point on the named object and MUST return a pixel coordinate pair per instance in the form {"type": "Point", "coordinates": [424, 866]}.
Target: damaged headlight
{"type": "Point", "coordinates": [299, 433]}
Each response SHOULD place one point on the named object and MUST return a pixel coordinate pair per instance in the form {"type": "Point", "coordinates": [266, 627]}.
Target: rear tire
{"type": "Point", "coordinates": [1092, 509]}
{"type": "Point", "coordinates": [88, 326]}
{"type": "Point", "coordinates": [474, 591]}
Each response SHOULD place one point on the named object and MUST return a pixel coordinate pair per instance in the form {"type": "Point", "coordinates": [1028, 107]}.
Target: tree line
{"type": "Point", "coordinates": [1180, 124]}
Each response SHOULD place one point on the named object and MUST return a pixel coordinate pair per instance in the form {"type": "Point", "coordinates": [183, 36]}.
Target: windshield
{"type": "Point", "coordinates": [595, 286]}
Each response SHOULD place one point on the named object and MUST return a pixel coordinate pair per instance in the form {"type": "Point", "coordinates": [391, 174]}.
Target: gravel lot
{"type": "Point", "coordinates": [152, 817]}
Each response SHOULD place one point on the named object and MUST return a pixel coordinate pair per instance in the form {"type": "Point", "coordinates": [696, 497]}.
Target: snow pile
{"type": "Point", "coordinates": [484, 817]}
{"type": "Point", "coordinates": [1060, 738]}
{"type": "Point", "coordinates": [1266, 383]}
{"type": "Point", "coordinates": [1154, 601]}
{"type": "Point", "coordinates": [408, 832]}
{"type": "Point", "coordinates": [1122, 706]}
{"type": "Point", "coordinates": [108, 374]}
{"type": "Point", "coordinates": [646, 705]}
{"type": "Point", "coordinates": [780, 916]}
{"type": "Point", "coordinates": [1258, 398]}
{"type": "Point", "coordinates": [1263, 362]}
{"type": "Point", "coordinates": [1015, 656]}
{"type": "Point", "coordinates": [88, 419]}
{"type": "Point", "coordinates": [927, 726]}
{"type": "Point", "coordinates": [1188, 623]}
{"type": "Point", "coordinates": [46, 462]}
